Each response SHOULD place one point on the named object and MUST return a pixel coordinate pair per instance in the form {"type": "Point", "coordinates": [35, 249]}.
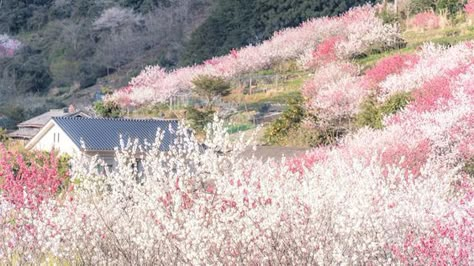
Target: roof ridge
{"type": "Point", "coordinates": [111, 119]}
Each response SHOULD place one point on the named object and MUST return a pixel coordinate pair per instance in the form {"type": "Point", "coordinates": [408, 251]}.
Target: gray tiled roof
{"type": "Point", "coordinates": [41, 120]}
{"type": "Point", "coordinates": [24, 133]}
{"type": "Point", "coordinates": [103, 134]}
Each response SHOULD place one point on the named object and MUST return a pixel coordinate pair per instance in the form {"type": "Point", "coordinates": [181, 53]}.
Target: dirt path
{"type": "Point", "coordinates": [268, 152]}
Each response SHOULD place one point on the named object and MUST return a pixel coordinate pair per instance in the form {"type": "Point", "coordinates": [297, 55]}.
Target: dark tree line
{"type": "Point", "coordinates": [236, 23]}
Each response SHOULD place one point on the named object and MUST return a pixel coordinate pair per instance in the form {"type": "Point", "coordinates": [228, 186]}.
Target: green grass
{"type": "Point", "coordinates": [265, 72]}
{"type": "Point", "coordinates": [449, 34]}
{"type": "Point", "coordinates": [295, 84]}
{"type": "Point", "coordinates": [282, 98]}
{"type": "Point", "coordinates": [372, 59]}
{"type": "Point", "coordinates": [232, 129]}
{"type": "Point", "coordinates": [276, 93]}
{"type": "Point", "coordinates": [445, 36]}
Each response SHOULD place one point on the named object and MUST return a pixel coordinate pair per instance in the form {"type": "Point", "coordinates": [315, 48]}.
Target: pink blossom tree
{"type": "Point", "coordinates": [334, 92]}
{"type": "Point", "coordinates": [469, 7]}
{"type": "Point", "coordinates": [425, 20]}
{"type": "Point", "coordinates": [27, 182]}
{"type": "Point", "coordinates": [388, 66]}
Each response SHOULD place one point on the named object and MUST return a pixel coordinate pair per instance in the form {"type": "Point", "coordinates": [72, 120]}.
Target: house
{"type": "Point", "coordinates": [28, 129]}
{"type": "Point", "coordinates": [99, 136]}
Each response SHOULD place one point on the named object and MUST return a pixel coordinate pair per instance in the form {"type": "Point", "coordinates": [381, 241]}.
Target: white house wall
{"type": "Point", "coordinates": [50, 141]}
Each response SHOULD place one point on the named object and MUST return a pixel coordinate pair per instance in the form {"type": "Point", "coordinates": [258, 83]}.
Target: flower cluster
{"type": "Point", "coordinates": [325, 52]}
{"type": "Point", "coordinates": [429, 140]}
{"type": "Point", "coordinates": [425, 20]}
{"type": "Point", "coordinates": [434, 61]}
{"type": "Point", "coordinates": [396, 195]}
{"type": "Point", "coordinates": [335, 91]}
{"type": "Point", "coordinates": [469, 7]}
{"type": "Point", "coordinates": [361, 28]}
{"type": "Point", "coordinates": [27, 182]}
{"type": "Point", "coordinates": [8, 46]}
{"type": "Point", "coordinates": [389, 66]}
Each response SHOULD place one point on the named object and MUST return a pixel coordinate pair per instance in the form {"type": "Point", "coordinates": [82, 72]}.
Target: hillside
{"type": "Point", "coordinates": [65, 46]}
{"type": "Point", "coordinates": [267, 77]}
{"type": "Point", "coordinates": [66, 51]}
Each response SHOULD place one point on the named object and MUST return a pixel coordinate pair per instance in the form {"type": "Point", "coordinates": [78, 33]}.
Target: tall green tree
{"type": "Point", "coordinates": [211, 88]}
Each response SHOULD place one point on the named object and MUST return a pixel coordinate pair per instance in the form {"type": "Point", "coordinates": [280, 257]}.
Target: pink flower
{"type": "Point", "coordinates": [469, 7]}
{"type": "Point", "coordinates": [335, 91]}
{"type": "Point", "coordinates": [26, 183]}
{"type": "Point", "coordinates": [325, 52]}
{"type": "Point", "coordinates": [390, 65]}
{"type": "Point", "coordinates": [425, 20]}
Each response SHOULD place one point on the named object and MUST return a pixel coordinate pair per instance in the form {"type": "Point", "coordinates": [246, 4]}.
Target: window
{"type": "Point", "coordinates": [55, 137]}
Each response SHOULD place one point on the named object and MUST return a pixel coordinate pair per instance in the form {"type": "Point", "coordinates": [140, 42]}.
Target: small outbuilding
{"type": "Point", "coordinates": [28, 129]}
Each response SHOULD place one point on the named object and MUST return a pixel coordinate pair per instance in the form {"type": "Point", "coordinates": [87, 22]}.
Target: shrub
{"type": "Point", "coordinates": [239, 128]}
{"type": "Point", "coordinates": [107, 109]}
{"type": "Point", "coordinates": [291, 118]}
{"type": "Point", "coordinates": [372, 113]}
{"type": "Point", "coordinates": [396, 103]}
{"type": "Point", "coordinates": [389, 17]}
{"type": "Point", "coordinates": [469, 167]}
{"type": "Point", "coordinates": [199, 119]}
{"type": "Point", "coordinates": [451, 7]}
{"type": "Point", "coordinates": [334, 92]}
{"type": "Point", "coordinates": [3, 135]}
{"type": "Point", "coordinates": [419, 6]}
{"type": "Point", "coordinates": [211, 88]}
{"type": "Point", "coordinates": [310, 136]}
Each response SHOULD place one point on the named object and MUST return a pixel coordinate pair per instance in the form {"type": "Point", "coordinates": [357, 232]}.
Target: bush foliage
{"type": "Point", "coordinates": [107, 109]}
{"type": "Point", "coordinates": [290, 118]}
{"type": "Point", "coordinates": [372, 113]}
{"type": "Point", "coordinates": [199, 119]}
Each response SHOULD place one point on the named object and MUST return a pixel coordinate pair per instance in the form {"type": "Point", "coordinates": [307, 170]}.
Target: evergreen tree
{"type": "Point", "coordinates": [146, 5]}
